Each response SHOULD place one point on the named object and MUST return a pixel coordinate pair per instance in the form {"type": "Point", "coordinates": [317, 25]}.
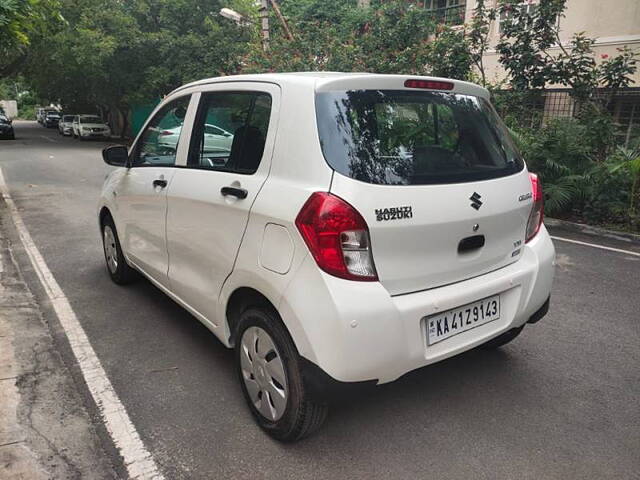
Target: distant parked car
{"type": "Point", "coordinates": [6, 129]}
{"type": "Point", "coordinates": [89, 126]}
{"type": "Point", "coordinates": [41, 114]}
{"type": "Point", "coordinates": [51, 118]}
{"type": "Point", "coordinates": [65, 126]}
{"type": "Point", "coordinates": [216, 139]}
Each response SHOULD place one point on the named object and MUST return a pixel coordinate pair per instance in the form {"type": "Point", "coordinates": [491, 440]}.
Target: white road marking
{"type": "Point", "coordinates": [138, 461]}
{"type": "Point", "coordinates": [49, 139]}
{"type": "Point", "coordinates": [594, 245]}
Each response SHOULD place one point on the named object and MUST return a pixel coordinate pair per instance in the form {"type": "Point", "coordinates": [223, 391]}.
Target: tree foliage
{"type": "Point", "coordinates": [113, 54]}
{"type": "Point", "coordinates": [529, 38]}
{"type": "Point", "coordinates": [389, 37]}
{"type": "Point", "coordinates": [21, 23]}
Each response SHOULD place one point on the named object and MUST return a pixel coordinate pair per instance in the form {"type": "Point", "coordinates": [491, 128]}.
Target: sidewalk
{"type": "Point", "coordinates": [45, 431]}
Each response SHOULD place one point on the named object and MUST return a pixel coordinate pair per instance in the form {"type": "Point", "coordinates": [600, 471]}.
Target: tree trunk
{"type": "Point", "coordinates": [125, 122]}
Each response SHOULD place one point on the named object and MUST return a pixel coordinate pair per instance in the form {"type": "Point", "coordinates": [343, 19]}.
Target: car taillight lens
{"type": "Point", "coordinates": [166, 132]}
{"type": "Point", "coordinates": [337, 236]}
{"type": "Point", "coordinates": [537, 212]}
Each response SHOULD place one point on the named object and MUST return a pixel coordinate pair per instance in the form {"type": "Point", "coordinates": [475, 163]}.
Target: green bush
{"type": "Point", "coordinates": [586, 175]}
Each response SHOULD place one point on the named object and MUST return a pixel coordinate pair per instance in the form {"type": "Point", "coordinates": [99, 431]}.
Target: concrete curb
{"type": "Point", "coordinates": [593, 231]}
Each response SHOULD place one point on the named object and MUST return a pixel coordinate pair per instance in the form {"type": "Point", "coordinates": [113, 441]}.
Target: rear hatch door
{"type": "Point", "coordinates": [435, 175]}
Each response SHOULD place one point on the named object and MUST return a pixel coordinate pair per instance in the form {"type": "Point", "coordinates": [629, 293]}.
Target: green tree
{"type": "Point", "coordinates": [388, 37]}
{"type": "Point", "coordinates": [21, 22]}
{"type": "Point", "coordinates": [526, 47]}
{"type": "Point", "coordinates": [112, 54]}
{"type": "Point", "coordinates": [449, 54]}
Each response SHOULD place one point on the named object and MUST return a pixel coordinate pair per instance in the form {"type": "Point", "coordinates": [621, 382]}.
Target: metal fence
{"type": "Point", "coordinates": [539, 108]}
{"type": "Point", "coordinates": [453, 15]}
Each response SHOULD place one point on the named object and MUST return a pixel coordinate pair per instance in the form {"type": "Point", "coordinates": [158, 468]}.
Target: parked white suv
{"type": "Point", "coordinates": [89, 126]}
{"type": "Point", "coordinates": [361, 226]}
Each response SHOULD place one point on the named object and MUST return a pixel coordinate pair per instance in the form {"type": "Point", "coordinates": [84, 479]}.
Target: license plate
{"type": "Point", "coordinates": [460, 319]}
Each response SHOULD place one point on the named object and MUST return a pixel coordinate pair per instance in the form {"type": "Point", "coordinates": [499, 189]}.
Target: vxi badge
{"type": "Point", "coordinates": [393, 213]}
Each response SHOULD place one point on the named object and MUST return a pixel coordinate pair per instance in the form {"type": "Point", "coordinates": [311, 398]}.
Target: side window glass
{"type": "Point", "coordinates": [230, 131]}
{"type": "Point", "coordinates": [158, 143]}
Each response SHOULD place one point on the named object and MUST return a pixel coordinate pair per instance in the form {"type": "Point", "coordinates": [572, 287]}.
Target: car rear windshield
{"type": "Point", "coordinates": [68, 118]}
{"type": "Point", "coordinates": [399, 137]}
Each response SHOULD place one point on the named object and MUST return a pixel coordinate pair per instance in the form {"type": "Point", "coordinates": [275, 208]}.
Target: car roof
{"type": "Point", "coordinates": [326, 81]}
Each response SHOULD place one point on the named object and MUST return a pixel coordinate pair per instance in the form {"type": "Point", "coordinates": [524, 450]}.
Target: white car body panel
{"type": "Point", "coordinates": [142, 210]}
{"type": "Point", "coordinates": [212, 245]}
{"type": "Point", "coordinates": [420, 252]}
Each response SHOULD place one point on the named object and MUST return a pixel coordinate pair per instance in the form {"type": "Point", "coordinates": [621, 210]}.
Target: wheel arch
{"type": "Point", "coordinates": [240, 300]}
{"type": "Point", "coordinates": [104, 212]}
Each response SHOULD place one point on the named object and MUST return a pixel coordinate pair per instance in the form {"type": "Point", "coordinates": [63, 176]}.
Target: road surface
{"type": "Point", "coordinates": [562, 401]}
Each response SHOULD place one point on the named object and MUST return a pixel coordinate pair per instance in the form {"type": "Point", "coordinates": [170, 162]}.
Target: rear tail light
{"type": "Point", "coordinates": [166, 132]}
{"type": "Point", "coordinates": [537, 212]}
{"type": "Point", "coordinates": [428, 84]}
{"type": "Point", "coordinates": [337, 236]}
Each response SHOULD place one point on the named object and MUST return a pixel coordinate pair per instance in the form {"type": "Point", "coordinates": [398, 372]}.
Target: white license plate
{"type": "Point", "coordinates": [460, 319]}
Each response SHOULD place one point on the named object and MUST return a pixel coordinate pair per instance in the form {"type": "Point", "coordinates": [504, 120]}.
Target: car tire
{"type": "Point", "coordinates": [262, 341]}
{"type": "Point", "coordinates": [503, 339]}
{"type": "Point", "coordinates": [119, 270]}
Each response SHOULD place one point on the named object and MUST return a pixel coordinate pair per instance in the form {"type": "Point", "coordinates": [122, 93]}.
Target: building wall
{"type": "Point", "coordinates": [10, 108]}
{"type": "Point", "coordinates": [613, 23]}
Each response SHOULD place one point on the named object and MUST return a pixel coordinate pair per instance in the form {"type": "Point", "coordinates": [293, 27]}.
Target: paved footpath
{"type": "Point", "coordinates": [45, 432]}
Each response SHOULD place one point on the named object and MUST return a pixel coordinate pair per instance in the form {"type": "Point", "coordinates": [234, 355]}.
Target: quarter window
{"type": "Point", "coordinates": [158, 143]}
{"type": "Point", "coordinates": [230, 131]}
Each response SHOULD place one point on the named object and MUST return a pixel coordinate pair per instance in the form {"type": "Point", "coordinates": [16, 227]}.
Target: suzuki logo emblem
{"type": "Point", "coordinates": [475, 200]}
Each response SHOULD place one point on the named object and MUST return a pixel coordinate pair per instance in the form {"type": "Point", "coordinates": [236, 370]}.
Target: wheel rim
{"type": "Point", "coordinates": [110, 250]}
{"type": "Point", "coordinates": [263, 373]}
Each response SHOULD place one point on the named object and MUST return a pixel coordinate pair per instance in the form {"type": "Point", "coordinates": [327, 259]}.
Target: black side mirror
{"type": "Point", "coordinates": [115, 155]}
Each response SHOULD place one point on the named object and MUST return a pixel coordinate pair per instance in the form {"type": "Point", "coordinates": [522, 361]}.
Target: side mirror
{"type": "Point", "coordinates": [115, 155]}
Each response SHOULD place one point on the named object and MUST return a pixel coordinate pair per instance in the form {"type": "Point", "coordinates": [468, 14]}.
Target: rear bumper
{"type": "Point", "coordinates": [357, 332]}
{"type": "Point", "coordinates": [94, 135]}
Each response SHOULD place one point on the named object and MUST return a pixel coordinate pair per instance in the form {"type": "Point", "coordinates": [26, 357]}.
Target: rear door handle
{"type": "Point", "coordinates": [471, 243]}
{"type": "Point", "coordinates": [160, 183]}
{"type": "Point", "coordinates": [234, 191]}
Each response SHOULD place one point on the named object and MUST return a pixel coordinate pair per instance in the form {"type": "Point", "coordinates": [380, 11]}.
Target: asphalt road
{"type": "Point", "coordinates": [562, 401]}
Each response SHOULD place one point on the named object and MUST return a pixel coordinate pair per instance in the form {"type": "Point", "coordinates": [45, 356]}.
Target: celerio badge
{"type": "Point", "coordinates": [393, 213]}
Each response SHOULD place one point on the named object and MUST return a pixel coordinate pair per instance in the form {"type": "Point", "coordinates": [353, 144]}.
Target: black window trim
{"type": "Point", "coordinates": [134, 149]}
{"type": "Point", "coordinates": [198, 125]}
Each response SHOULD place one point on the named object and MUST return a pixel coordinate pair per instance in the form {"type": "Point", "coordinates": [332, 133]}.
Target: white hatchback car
{"type": "Point", "coordinates": [361, 226]}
